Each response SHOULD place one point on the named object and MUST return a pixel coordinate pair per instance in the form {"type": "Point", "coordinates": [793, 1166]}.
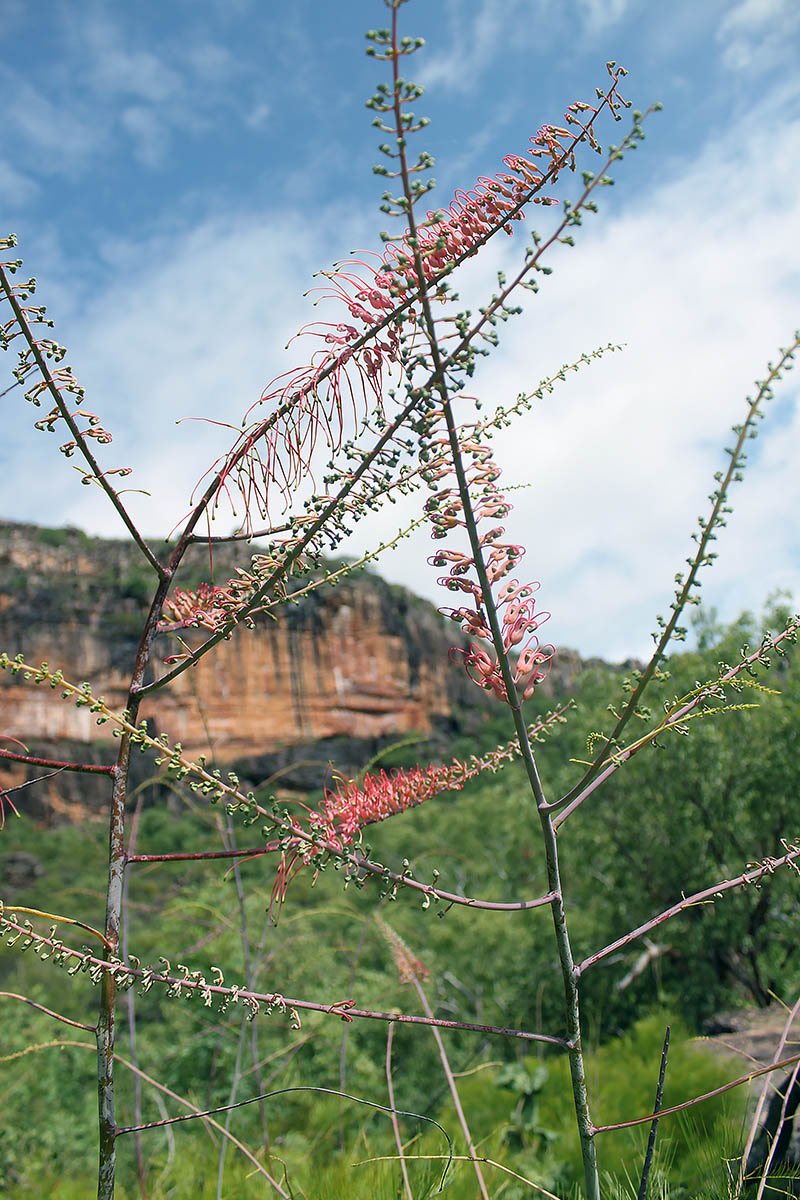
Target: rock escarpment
{"type": "Point", "coordinates": [363, 659]}
{"type": "Point", "coordinates": [344, 671]}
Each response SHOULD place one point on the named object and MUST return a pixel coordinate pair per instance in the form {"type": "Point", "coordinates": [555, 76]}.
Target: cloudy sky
{"type": "Point", "coordinates": [177, 172]}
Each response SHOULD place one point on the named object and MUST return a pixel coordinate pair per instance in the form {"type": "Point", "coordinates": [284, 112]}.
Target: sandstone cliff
{"type": "Point", "coordinates": [362, 659]}
{"type": "Point", "coordinates": [351, 667]}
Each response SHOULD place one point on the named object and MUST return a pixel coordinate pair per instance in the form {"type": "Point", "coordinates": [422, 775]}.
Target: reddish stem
{"type": "Point", "coordinates": [726, 1087]}
{"type": "Point", "coordinates": [87, 768]}
{"type": "Point", "coordinates": [154, 858]}
{"type": "Point", "coordinates": [707, 894]}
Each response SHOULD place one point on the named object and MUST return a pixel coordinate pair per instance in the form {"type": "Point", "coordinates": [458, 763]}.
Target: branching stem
{"type": "Point", "coordinates": [699, 559]}
{"type": "Point", "coordinates": [569, 976]}
{"type": "Point", "coordinates": [67, 417]}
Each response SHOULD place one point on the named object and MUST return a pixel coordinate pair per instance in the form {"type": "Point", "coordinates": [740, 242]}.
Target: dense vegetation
{"type": "Point", "coordinates": [730, 795]}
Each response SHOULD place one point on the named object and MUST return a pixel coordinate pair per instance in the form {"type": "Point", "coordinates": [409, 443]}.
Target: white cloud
{"type": "Point", "coordinates": [480, 32]}
{"type": "Point", "coordinates": [211, 62]}
{"type": "Point", "coordinates": [476, 36]}
{"type": "Point", "coordinates": [758, 34]}
{"type": "Point", "coordinates": [602, 13]}
{"type": "Point", "coordinates": [258, 116]}
{"type": "Point", "coordinates": [700, 280]}
{"type": "Point", "coordinates": [62, 121]}
{"type": "Point", "coordinates": [194, 327]}
{"type": "Point", "coordinates": [149, 134]}
{"type": "Point", "coordinates": [750, 15]}
{"type": "Point", "coordinates": [58, 137]}
{"type": "Point", "coordinates": [16, 188]}
{"type": "Point", "coordinates": [117, 70]}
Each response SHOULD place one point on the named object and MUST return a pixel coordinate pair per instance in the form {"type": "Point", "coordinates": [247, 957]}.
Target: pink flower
{"type": "Point", "coordinates": [349, 806]}
{"type": "Point", "coordinates": [188, 609]}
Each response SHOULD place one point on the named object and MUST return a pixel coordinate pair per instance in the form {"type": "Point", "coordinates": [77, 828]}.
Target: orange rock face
{"type": "Point", "coordinates": [363, 659]}
{"type": "Point", "coordinates": [338, 671]}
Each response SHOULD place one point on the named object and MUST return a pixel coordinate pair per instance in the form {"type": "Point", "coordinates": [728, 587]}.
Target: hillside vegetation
{"type": "Point", "coordinates": [732, 796]}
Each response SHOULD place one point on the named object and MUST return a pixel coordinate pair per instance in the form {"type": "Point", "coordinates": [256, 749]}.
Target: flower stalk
{"type": "Point", "coordinates": [394, 369]}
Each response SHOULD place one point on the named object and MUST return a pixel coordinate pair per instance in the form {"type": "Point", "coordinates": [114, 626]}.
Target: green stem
{"type": "Point", "coordinates": [575, 796]}
{"type": "Point", "coordinates": [108, 991]}
{"type": "Point", "coordinates": [105, 1031]}
{"type": "Point", "coordinates": [76, 432]}
{"type": "Point", "coordinates": [568, 973]}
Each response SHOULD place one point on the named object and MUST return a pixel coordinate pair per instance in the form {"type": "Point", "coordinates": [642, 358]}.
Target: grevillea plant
{"type": "Point", "coordinates": [377, 409]}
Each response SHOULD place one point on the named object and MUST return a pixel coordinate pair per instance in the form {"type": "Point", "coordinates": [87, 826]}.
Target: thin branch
{"type": "Point", "coordinates": [789, 1086]}
{"type": "Point", "coordinates": [206, 539]}
{"type": "Point", "coordinates": [651, 1141]}
{"type": "Point", "coordinates": [716, 517]}
{"type": "Point", "coordinates": [720, 1041]}
{"type": "Point", "coordinates": [131, 1001]}
{"type": "Point", "coordinates": [678, 714]}
{"type": "Point", "coordinates": [87, 768]}
{"type": "Point", "coordinates": [451, 1083]}
{"type": "Point", "coordinates": [344, 1009]}
{"type": "Point", "coordinates": [201, 855]}
{"type": "Point", "coordinates": [169, 1136]}
{"type": "Point", "coordinates": [490, 1162]}
{"type": "Point", "coordinates": [707, 896]}
{"type": "Point", "coordinates": [395, 1126]}
{"type": "Point", "coordinates": [228, 1108]}
{"type": "Point", "coordinates": [181, 1100]}
{"type": "Point", "coordinates": [300, 1088]}
{"type": "Point", "coordinates": [77, 434]}
{"type": "Point", "coordinates": [33, 1048]}
{"type": "Point", "coordinates": [751, 1137]}
{"type": "Point", "coordinates": [354, 961]}
{"type": "Point", "coordinates": [206, 1117]}
{"type": "Point", "coordinates": [363, 864]}
{"type": "Point", "coordinates": [38, 912]}
{"type": "Point", "coordinates": [726, 1087]}
{"type": "Point", "coordinates": [48, 1011]}
{"type": "Point", "coordinates": [228, 838]}
{"type": "Point", "coordinates": [18, 787]}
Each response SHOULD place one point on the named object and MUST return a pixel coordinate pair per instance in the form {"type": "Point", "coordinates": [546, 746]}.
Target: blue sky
{"type": "Point", "coordinates": [177, 172]}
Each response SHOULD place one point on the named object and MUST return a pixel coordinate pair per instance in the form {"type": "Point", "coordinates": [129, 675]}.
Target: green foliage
{"type": "Point", "coordinates": [136, 585]}
{"type": "Point", "coordinates": [628, 853]}
{"type": "Point", "coordinates": [16, 581]}
{"type": "Point", "coordinates": [305, 1130]}
{"type": "Point", "coordinates": [68, 536]}
{"type": "Point", "coordinates": [680, 817]}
